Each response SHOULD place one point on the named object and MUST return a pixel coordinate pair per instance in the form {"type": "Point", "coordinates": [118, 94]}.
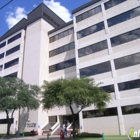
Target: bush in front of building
{"type": "Point", "coordinates": [86, 134]}
{"type": "Point", "coordinates": [25, 134]}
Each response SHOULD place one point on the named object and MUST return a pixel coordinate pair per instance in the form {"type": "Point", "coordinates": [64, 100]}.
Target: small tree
{"type": "Point", "coordinates": [66, 92]}
{"type": "Point", "coordinates": [16, 94]}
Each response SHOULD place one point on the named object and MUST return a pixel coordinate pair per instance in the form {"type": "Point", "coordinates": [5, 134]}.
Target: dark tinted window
{"type": "Point", "coordinates": [14, 38]}
{"type": "Point", "coordinates": [1, 55]}
{"type": "Point", "coordinates": [62, 65]}
{"type": "Point", "coordinates": [5, 121]}
{"type": "Point", "coordinates": [127, 61]}
{"type": "Point", "coordinates": [126, 37]}
{"type": "Point", "coordinates": [90, 30]}
{"type": "Point", "coordinates": [131, 109]}
{"type": "Point", "coordinates": [113, 3]}
{"type": "Point", "coordinates": [50, 19]}
{"type": "Point", "coordinates": [89, 13]}
{"type": "Point", "coordinates": [129, 85]}
{"type": "Point", "coordinates": [1, 67]}
{"type": "Point", "coordinates": [2, 44]}
{"type": "Point", "coordinates": [109, 88]}
{"type": "Point", "coordinates": [12, 50]}
{"type": "Point", "coordinates": [97, 113]}
{"type": "Point", "coordinates": [11, 63]}
{"type": "Point", "coordinates": [96, 69]}
{"type": "Point", "coordinates": [11, 75]}
{"type": "Point", "coordinates": [124, 17]}
{"type": "Point", "coordinates": [92, 48]}
{"type": "Point", "coordinates": [62, 49]}
{"type": "Point", "coordinates": [61, 35]}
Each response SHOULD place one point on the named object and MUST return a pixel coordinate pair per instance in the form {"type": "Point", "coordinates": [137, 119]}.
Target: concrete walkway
{"type": "Point", "coordinates": [39, 138]}
{"type": "Point", "coordinates": [54, 137]}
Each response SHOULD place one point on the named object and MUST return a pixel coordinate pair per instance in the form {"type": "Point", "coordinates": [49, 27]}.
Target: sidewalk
{"type": "Point", "coordinates": [54, 137]}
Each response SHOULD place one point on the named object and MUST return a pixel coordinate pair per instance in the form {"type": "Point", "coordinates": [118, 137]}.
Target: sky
{"type": "Point", "coordinates": [18, 9]}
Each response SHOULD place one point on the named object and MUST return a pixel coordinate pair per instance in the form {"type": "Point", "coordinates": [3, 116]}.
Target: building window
{"type": "Point", "coordinates": [89, 13]}
{"type": "Point", "coordinates": [1, 55]}
{"type": "Point", "coordinates": [51, 20]}
{"type": "Point", "coordinates": [131, 109]}
{"type": "Point", "coordinates": [61, 35]}
{"type": "Point", "coordinates": [13, 50]}
{"type": "Point", "coordinates": [11, 63]}
{"type": "Point", "coordinates": [127, 61]}
{"type": "Point", "coordinates": [62, 49]}
{"type": "Point", "coordinates": [5, 121]}
{"type": "Point", "coordinates": [113, 3]}
{"type": "Point", "coordinates": [109, 88]}
{"type": "Point", "coordinates": [124, 17]}
{"type": "Point", "coordinates": [126, 37]}
{"type": "Point", "coordinates": [2, 44]}
{"type": "Point", "coordinates": [129, 85]}
{"type": "Point", "coordinates": [1, 67]}
{"type": "Point", "coordinates": [11, 75]}
{"type": "Point", "coordinates": [93, 48]}
{"type": "Point", "coordinates": [62, 65]}
{"type": "Point", "coordinates": [96, 113]}
{"type": "Point", "coordinates": [96, 69]}
{"type": "Point", "coordinates": [14, 38]}
{"type": "Point", "coordinates": [90, 30]}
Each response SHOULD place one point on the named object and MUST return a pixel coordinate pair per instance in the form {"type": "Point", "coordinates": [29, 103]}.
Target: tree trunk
{"type": "Point", "coordinates": [8, 122]}
{"type": "Point", "coordinates": [73, 119]}
{"type": "Point", "coordinates": [8, 127]}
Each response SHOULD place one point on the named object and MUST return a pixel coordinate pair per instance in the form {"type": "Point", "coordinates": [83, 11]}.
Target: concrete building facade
{"type": "Point", "coordinates": [102, 41]}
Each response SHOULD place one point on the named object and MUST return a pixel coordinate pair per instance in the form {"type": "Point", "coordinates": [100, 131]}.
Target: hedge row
{"type": "Point", "coordinates": [85, 134]}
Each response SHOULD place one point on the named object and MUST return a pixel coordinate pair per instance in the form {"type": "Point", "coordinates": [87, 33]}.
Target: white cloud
{"type": "Point", "coordinates": [60, 10]}
{"type": "Point", "coordinates": [13, 18]}
{"type": "Point", "coordinates": [34, 5]}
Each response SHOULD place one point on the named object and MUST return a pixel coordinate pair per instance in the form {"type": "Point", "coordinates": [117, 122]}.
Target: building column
{"type": "Point", "coordinates": [121, 121]}
{"type": "Point", "coordinates": [81, 127]}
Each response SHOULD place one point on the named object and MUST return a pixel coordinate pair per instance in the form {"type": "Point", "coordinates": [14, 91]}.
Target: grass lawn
{"type": "Point", "coordinates": [106, 138]}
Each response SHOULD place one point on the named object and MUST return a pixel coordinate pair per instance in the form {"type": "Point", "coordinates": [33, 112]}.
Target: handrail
{"type": "Point", "coordinates": [69, 126]}
{"type": "Point", "coordinates": [53, 127]}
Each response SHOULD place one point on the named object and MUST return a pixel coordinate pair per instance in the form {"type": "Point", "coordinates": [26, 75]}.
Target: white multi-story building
{"type": "Point", "coordinates": [102, 42]}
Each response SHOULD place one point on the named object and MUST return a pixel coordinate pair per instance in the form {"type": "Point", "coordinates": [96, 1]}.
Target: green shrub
{"type": "Point", "coordinates": [85, 134]}
{"type": "Point", "coordinates": [27, 134]}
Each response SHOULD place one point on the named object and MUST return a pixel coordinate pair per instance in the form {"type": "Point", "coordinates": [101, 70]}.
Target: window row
{"type": "Point", "coordinates": [126, 37]}
{"type": "Point", "coordinates": [127, 61]}
{"type": "Point", "coordinates": [61, 35]}
{"type": "Point", "coordinates": [14, 38]}
{"type": "Point", "coordinates": [62, 65]}
{"type": "Point", "coordinates": [16, 48]}
{"type": "Point", "coordinates": [62, 49]}
{"type": "Point", "coordinates": [8, 52]}
{"type": "Point", "coordinates": [1, 67]}
{"type": "Point", "coordinates": [109, 88]}
{"type": "Point", "coordinates": [50, 19]}
{"type": "Point", "coordinates": [93, 48]}
{"type": "Point", "coordinates": [11, 75]}
{"type": "Point", "coordinates": [124, 17]}
{"type": "Point", "coordinates": [131, 109]}
{"type": "Point", "coordinates": [96, 69]}
{"type": "Point", "coordinates": [11, 63]}
{"type": "Point", "coordinates": [112, 3]}
{"type": "Point", "coordinates": [1, 55]}
{"type": "Point", "coordinates": [96, 113]}
{"type": "Point", "coordinates": [2, 44]}
{"type": "Point", "coordinates": [5, 121]}
{"type": "Point", "coordinates": [89, 13]}
{"type": "Point", "coordinates": [129, 85]}
{"type": "Point", "coordinates": [90, 30]}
